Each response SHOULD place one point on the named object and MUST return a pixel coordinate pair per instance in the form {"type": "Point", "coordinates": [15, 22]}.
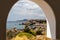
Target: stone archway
{"type": "Point", "coordinates": [49, 15]}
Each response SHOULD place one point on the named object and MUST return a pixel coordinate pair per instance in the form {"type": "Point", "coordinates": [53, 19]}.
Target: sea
{"type": "Point", "coordinates": [11, 25]}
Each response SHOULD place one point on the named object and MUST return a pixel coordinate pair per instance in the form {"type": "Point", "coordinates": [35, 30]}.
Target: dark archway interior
{"type": "Point", "coordinates": [6, 6]}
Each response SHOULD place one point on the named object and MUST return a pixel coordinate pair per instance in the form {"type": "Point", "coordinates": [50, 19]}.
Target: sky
{"type": "Point", "coordinates": [25, 9]}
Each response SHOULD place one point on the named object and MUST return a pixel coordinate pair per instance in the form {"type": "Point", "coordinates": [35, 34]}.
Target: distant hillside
{"type": "Point", "coordinates": [24, 20]}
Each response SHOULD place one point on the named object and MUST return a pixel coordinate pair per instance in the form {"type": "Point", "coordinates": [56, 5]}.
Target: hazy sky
{"type": "Point", "coordinates": [25, 10]}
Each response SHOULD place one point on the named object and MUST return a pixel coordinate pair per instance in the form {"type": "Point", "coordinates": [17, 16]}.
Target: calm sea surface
{"type": "Point", "coordinates": [11, 25]}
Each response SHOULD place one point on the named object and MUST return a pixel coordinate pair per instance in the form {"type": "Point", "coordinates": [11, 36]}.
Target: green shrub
{"type": "Point", "coordinates": [25, 34]}
{"type": "Point", "coordinates": [9, 34]}
{"type": "Point", "coordinates": [27, 30]}
{"type": "Point", "coordinates": [39, 32]}
{"type": "Point", "coordinates": [32, 32]}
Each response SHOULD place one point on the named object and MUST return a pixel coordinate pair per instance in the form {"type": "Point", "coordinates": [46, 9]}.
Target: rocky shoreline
{"type": "Point", "coordinates": [35, 27]}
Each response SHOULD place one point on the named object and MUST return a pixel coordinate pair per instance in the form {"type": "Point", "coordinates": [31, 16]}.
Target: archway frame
{"type": "Point", "coordinates": [49, 16]}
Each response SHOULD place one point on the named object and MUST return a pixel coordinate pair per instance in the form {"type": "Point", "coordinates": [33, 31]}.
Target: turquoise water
{"type": "Point", "coordinates": [11, 25]}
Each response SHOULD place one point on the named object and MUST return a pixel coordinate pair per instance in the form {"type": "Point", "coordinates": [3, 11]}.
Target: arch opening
{"type": "Point", "coordinates": [18, 13]}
